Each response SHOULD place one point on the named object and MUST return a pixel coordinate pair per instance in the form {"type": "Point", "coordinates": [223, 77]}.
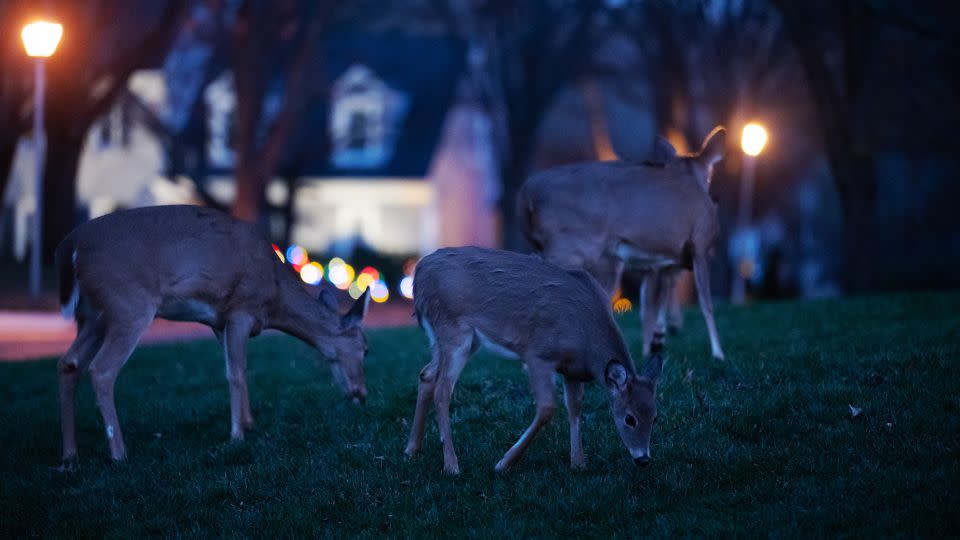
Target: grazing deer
{"type": "Point", "coordinates": [186, 263]}
{"type": "Point", "coordinates": [599, 216]}
{"type": "Point", "coordinates": [554, 320]}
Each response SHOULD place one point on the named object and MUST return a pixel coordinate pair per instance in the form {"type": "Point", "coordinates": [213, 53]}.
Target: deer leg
{"type": "Point", "coordinates": [701, 275]}
{"type": "Point", "coordinates": [118, 343]}
{"type": "Point", "coordinates": [450, 367]}
{"type": "Point", "coordinates": [665, 289]}
{"type": "Point", "coordinates": [246, 418]}
{"type": "Point", "coordinates": [428, 381]}
{"type": "Point", "coordinates": [674, 309]}
{"type": "Point", "coordinates": [649, 307]}
{"type": "Point", "coordinates": [573, 399]}
{"type": "Point", "coordinates": [74, 362]}
{"type": "Point", "coordinates": [607, 271]}
{"type": "Point", "coordinates": [541, 382]}
{"type": "Point", "coordinates": [235, 337]}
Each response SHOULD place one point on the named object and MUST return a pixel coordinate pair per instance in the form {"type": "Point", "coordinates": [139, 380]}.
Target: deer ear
{"type": "Point", "coordinates": [654, 368]}
{"type": "Point", "coordinates": [616, 375]}
{"type": "Point", "coordinates": [663, 150]}
{"type": "Point", "coordinates": [714, 146]}
{"type": "Point", "coordinates": [358, 310]}
{"type": "Point", "coordinates": [327, 299]}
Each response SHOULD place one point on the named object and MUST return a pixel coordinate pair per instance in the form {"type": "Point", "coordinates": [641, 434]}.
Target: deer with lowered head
{"type": "Point", "coordinates": [656, 216]}
{"type": "Point", "coordinates": [554, 320]}
{"type": "Point", "coordinates": [186, 263]}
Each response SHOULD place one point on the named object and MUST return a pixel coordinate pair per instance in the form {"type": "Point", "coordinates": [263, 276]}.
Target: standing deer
{"type": "Point", "coordinates": [554, 320]}
{"type": "Point", "coordinates": [186, 263]}
{"type": "Point", "coordinates": [599, 216]}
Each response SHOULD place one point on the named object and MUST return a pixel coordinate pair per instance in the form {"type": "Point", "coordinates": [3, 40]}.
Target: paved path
{"type": "Point", "coordinates": [30, 335]}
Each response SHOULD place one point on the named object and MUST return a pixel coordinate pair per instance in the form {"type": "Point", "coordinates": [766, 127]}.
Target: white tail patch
{"type": "Point", "coordinates": [70, 308]}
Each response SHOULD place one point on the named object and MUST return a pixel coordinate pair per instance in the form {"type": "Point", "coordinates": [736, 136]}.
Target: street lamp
{"type": "Point", "coordinates": [40, 40]}
{"type": "Point", "coordinates": [752, 141]}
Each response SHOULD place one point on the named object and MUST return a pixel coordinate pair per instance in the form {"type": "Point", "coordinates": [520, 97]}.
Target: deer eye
{"type": "Point", "coordinates": [630, 420]}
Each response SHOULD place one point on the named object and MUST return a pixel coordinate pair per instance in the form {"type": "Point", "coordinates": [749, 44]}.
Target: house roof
{"type": "Point", "coordinates": [393, 91]}
{"type": "Point", "coordinates": [419, 75]}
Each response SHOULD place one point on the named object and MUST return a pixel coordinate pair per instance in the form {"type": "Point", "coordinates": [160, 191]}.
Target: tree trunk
{"type": "Point", "coordinates": [59, 187]}
{"type": "Point", "coordinates": [250, 184]}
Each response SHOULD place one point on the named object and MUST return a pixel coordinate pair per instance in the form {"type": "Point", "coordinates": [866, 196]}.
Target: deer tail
{"type": "Point", "coordinates": [65, 258]}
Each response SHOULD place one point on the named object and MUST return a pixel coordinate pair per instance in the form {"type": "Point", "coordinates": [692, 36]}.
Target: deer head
{"type": "Point", "coordinates": [346, 348]}
{"type": "Point", "coordinates": [633, 402]}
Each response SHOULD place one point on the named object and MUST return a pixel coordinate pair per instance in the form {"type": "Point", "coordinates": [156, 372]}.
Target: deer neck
{"type": "Point", "coordinates": [302, 316]}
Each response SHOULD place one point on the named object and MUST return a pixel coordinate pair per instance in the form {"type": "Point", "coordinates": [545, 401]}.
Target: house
{"type": "Point", "coordinates": [408, 166]}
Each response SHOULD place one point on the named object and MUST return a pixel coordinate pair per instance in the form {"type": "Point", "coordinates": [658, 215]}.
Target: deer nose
{"type": "Point", "coordinates": [642, 461]}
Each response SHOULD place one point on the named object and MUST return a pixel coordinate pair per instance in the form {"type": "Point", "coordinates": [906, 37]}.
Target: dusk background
{"type": "Point", "coordinates": [363, 135]}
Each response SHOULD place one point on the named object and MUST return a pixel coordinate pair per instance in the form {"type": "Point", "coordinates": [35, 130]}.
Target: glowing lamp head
{"type": "Point", "coordinates": [754, 139]}
{"type": "Point", "coordinates": [41, 38]}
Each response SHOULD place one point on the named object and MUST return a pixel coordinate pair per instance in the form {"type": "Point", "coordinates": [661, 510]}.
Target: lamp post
{"type": "Point", "coordinates": [40, 40]}
{"type": "Point", "coordinates": [752, 141]}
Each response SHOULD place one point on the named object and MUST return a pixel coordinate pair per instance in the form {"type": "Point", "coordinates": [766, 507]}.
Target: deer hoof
{"type": "Point", "coordinates": [68, 465]}
{"type": "Point", "coordinates": [502, 466]}
{"type": "Point", "coordinates": [452, 470]}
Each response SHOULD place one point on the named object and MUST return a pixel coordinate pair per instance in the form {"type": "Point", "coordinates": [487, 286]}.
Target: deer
{"type": "Point", "coordinates": [554, 320]}
{"type": "Point", "coordinates": [657, 216]}
{"type": "Point", "coordinates": [120, 271]}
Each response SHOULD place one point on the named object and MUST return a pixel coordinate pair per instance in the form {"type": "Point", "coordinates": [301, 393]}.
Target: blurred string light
{"type": "Point", "coordinates": [406, 287]}
{"type": "Point", "coordinates": [297, 256]}
{"type": "Point", "coordinates": [340, 273]}
{"type": "Point", "coordinates": [311, 273]}
{"type": "Point", "coordinates": [379, 292]}
{"type": "Point", "coordinates": [279, 253]}
{"type": "Point", "coordinates": [354, 290]}
{"type": "Point", "coordinates": [622, 305]}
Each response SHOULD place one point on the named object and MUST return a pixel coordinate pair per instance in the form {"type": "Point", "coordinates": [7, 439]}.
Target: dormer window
{"type": "Point", "coordinates": [365, 117]}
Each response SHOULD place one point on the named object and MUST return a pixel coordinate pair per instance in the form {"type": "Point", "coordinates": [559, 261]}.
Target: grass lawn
{"type": "Point", "coordinates": [763, 445]}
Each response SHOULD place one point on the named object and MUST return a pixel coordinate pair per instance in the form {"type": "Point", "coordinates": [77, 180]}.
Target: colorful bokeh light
{"type": "Point", "coordinates": [364, 280]}
{"type": "Point", "coordinates": [379, 292]}
{"type": "Point", "coordinates": [311, 273]}
{"type": "Point", "coordinates": [373, 272]}
{"type": "Point", "coordinates": [406, 287]}
{"type": "Point", "coordinates": [297, 256]}
{"type": "Point", "coordinates": [622, 305]}
{"type": "Point", "coordinates": [340, 273]}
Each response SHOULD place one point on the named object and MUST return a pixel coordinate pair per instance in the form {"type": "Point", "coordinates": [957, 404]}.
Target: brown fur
{"type": "Point", "coordinates": [599, 216]}
{"type": "Point", "coordinates": [554, 320]}
{"type": "Point", "coordinates": [193, 264]}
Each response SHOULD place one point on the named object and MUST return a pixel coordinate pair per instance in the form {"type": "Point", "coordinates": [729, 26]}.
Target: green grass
{"type": "Point", "coordinates": [763, 445]}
